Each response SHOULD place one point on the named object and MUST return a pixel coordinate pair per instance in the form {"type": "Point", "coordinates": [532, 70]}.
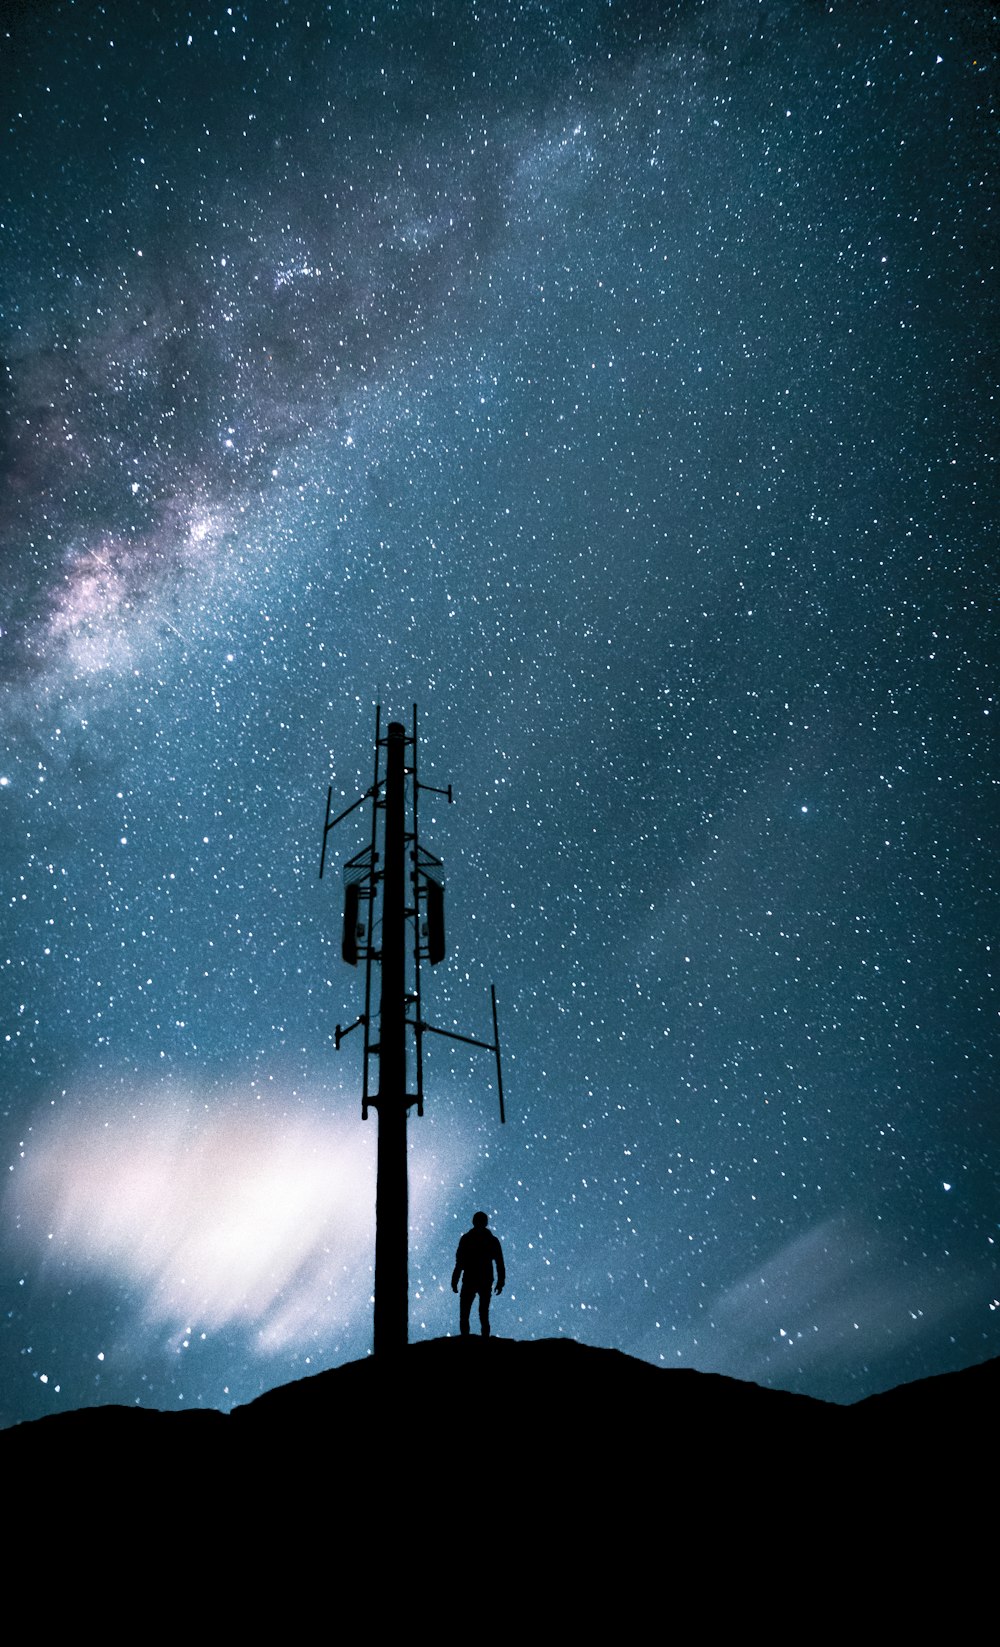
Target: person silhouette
{"type": "Point", "coordinates": [477, 1253]}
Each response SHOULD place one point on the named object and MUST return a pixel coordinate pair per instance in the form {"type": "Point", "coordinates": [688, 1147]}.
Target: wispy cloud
{"type": "Point", "coordinates": [839, 1294]}
{"type": "Point", "coordinates": [234, 1217]}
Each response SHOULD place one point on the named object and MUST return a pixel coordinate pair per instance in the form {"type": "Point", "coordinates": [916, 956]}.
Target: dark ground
{"type": "Point", "coordinates": [544, 1478]}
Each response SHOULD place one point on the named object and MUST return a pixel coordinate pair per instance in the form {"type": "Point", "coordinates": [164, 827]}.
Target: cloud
{"type": "Point", "coordinates": [235, 1217]}
{"type": "Point", "coordinates": [837, 1295]}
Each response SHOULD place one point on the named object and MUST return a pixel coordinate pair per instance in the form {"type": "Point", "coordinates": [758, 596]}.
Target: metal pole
{"type": "Point", "coordinates": [391, 1196]}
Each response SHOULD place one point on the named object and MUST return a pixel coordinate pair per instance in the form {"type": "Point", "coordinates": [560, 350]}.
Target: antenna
{"type": "Point", "coordinates": [382, 896]}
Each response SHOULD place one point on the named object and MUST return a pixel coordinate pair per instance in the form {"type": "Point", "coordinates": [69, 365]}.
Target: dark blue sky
{"type": "Point", "coordinates": [614, 382]}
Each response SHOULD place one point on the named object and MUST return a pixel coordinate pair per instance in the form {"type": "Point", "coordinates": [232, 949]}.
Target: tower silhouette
{"type": "Point", "coordinates": [391, 885]}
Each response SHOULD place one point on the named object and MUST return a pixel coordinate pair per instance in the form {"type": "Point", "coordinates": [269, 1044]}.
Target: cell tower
{"type": "Point", "coordinates": [391, 886]}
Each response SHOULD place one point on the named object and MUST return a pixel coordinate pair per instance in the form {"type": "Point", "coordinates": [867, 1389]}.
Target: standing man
{"type": "Point", "coordinates": [477, 1253]}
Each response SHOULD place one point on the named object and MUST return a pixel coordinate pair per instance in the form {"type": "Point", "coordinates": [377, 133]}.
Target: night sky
{"type": "Point", "coordinates": [614, 383]}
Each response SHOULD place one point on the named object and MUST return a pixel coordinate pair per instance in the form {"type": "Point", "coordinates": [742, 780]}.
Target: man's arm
{"type": "Point", "coordinates": [459, 1266]}
{"type": "Point", "coordinates": [498, 1260]}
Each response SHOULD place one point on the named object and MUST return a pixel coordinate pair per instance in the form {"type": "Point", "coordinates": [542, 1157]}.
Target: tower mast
{"type": "Point", "coordinates": [380, 897]}
{"type": "Point", "coordinates": [392, 1193]}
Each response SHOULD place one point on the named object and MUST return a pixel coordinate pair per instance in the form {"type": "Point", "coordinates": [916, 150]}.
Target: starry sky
{"type": "Point", "coordinates": [613, 381]}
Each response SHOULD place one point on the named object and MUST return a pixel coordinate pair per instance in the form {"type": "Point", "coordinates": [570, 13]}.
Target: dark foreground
{"type": "Point", "coordinates": [543, 1480]}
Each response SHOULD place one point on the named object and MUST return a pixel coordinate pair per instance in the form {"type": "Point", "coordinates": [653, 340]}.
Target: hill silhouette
{"type": "Point", "coordinates": [511, 1459]}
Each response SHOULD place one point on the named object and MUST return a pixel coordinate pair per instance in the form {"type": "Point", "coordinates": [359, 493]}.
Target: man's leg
{"type": "Point", "coordinates": [465, 1298]}
{"type": "Point", "coordinates": [484, 1310]}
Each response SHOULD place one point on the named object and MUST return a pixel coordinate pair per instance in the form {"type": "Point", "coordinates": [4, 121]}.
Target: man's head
{"type": "Point", "coordinates": [479, 1220]}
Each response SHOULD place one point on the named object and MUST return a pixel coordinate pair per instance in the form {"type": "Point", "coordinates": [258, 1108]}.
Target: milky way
{"type": "Point", "coordinates": [615, 384]}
